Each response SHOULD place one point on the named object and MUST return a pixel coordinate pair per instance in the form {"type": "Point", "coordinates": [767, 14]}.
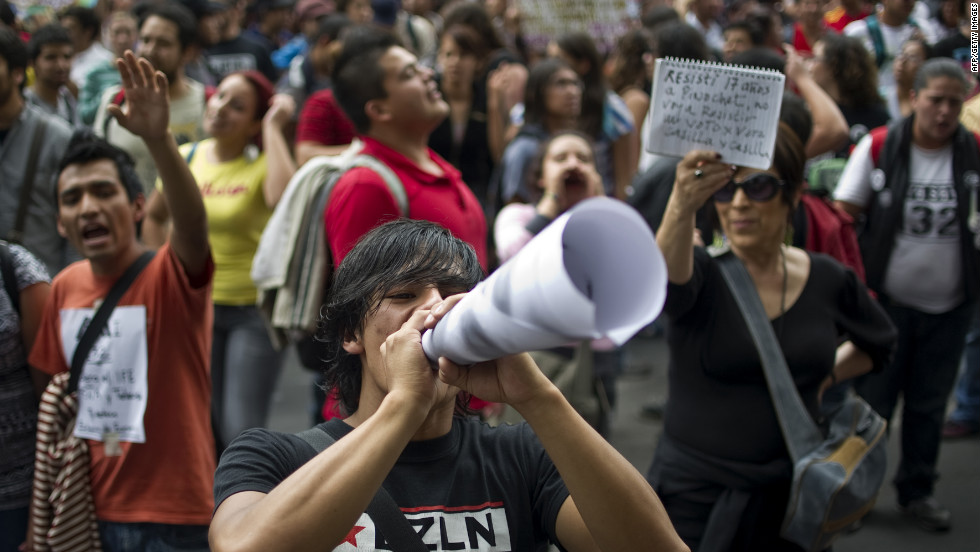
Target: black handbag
{"type": "Point", "coordinates": [837, 476]}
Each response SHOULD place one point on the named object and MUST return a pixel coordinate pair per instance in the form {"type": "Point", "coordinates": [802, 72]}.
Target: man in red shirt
{"type": "Point", "coordinates": [394, 105]}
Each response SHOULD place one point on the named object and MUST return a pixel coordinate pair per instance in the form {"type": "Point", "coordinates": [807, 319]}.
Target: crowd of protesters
{"type": "Point", "coordinates": [175, 127]}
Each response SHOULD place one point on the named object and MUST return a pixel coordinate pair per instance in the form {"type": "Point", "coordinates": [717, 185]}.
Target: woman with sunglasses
{"type": "Point", "coordinates": [721, 466]}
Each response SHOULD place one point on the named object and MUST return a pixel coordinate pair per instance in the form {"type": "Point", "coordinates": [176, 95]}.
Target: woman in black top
{"type": "Point", "coordinates": [842, 66]}
{"type": "Point", "coordinates": [721, 467]}
{"type": "Point", "coordinates": [462, 138]}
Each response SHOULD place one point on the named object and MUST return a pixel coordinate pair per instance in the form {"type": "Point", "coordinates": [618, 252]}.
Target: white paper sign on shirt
{"type": "Point", "coordinates": [730, 109]}
{"type": "Point", "coordinates": [112, 389]}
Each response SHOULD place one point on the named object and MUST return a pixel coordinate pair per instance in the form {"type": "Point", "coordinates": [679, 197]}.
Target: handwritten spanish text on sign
{"type": "Point", "coordinates": [729, 109]}
{"type": "Point", "coordinates": [112, 389]}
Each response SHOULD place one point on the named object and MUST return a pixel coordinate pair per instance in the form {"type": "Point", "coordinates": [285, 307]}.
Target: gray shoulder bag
{"type": "Point", "coordinates": [836, 477]}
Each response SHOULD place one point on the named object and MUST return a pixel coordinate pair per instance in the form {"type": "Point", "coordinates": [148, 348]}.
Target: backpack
{"type": "Point", "coordinates": [878, 41]}
{"type": "Point", "coordinates": [878, 137]}
{"type": "Point", "coordinates": [830, 230]}
{"type": "Point", "coordinates": [292, 264]}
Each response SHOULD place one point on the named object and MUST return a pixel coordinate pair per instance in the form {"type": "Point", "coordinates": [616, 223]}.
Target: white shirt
{"type": "Point", "coordinates": [88, 59]}
{"type": "Point", "coordinates": [712, 33]}
{"type": "Point", "coordinates": [925, 269]}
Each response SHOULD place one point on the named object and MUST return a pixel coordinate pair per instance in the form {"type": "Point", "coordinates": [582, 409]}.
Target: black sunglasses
{"type": "Point", "coordinates": [758, 187]}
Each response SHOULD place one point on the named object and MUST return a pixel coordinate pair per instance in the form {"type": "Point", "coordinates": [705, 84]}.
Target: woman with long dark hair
{"type": "Point", "coordinates": [605, 117]}
{"type": "Point", "coordinates": [842, 66]}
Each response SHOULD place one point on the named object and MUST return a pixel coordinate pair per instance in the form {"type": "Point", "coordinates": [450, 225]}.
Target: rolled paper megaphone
{"type": "Point", "coordinates": [594, 272]}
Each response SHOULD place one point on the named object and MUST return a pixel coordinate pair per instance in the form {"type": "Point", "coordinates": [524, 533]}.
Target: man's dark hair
{"type": "Point", "coordinates": [330, 27]}
{"type": "Point", "coordinates": [657, 16]}
{"type": "Point", "coordinates": [751, 28]}
{"type": "Point", "coordinates": [400, 253]}
{"type": "Point", "coordinates": [535, 92]}
{"type": "Point", "coordinates": [940, 67]}
{"type": "Point", "coordinates": [13, 51]}
{"type": "Point", "coordinates": [680, 40]}
{"type": "Point", "coordinates": [86, 147]}
{"type": "Point", "coordinates": [357, 75]}
{"type": "Point", "coordinates": [7, 15]}
{"type": "Point", "coordinates": [45, 36]}
{"type": "Point", "coordinates": [179, 15]}
{"type": "Point", "coordinates": [762, 57]}
{"type": "Point", "coordinates": [88, 20]}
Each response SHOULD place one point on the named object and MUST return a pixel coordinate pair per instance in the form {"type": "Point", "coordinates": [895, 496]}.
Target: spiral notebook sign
{"type": "Point", "coordinates": [730, 109]}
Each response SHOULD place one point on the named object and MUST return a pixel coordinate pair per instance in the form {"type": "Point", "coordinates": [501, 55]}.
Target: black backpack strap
{"type": "Point", "coordinates": [387, 516]}
{"type": "Point", "coordinates": [98, 322]}
{"type": "Point", "coordinates": [16, 234]}
{"type": "Point", "coordinates": [9, 274]}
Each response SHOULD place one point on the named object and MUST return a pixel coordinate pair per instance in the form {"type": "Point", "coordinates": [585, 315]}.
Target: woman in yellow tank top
{"type": "Point", "coordinates": [241, 185]}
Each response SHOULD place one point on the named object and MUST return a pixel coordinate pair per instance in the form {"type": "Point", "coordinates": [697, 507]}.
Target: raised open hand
{"type": "Point", "coordinates": [281, 109]}
{"type": "Point", "coordinates": [699, 175]}
{"type": "Point", "coordinates": [146, 111]}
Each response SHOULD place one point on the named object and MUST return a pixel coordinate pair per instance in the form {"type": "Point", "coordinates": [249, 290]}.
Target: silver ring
{"type": "Point", "coordinates": [698, 173]}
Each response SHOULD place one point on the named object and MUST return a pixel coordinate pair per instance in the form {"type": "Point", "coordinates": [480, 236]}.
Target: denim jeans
{"type": "Point", "coordinates": [152, 537]}
{"type": "Point", "coordinates": [967, 392]}
{"type": "Point", "coordinates": [926, 362]}
{"type": "Point", "coordinates": [13, 528]}
{"type": "Point", "coordinates": [244, 371]}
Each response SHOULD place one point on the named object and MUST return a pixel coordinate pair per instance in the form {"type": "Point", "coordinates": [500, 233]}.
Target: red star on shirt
{"type": "Point", "coordinates": [352, 536]}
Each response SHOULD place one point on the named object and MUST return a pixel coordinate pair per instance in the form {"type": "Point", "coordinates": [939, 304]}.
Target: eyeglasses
{"type": "Point", "coordinates": [758, 187]}
{"type": "Point", "coordinates": [566, 83]}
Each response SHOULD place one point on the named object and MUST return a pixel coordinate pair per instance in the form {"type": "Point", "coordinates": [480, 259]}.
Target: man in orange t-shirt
{"type": "Point", "coordinates": [144, 392]}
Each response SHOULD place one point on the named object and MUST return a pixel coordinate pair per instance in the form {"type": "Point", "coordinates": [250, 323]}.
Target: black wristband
{"type": "Point", "coordinates": [537, 224]}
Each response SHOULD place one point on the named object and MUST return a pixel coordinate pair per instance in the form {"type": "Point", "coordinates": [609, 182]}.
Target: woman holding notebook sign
{"type": "Point", "coordinates": [722, 468]}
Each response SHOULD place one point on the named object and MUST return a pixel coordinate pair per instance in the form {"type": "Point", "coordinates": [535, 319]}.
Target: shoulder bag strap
{"type": "Point", "coordinates": [98, 322]}
{"type": "Point", "coordinates": [391, 179]}
{"type": "Point", "coordinates": [16, 234]}
{"type": "Point", "coordinates": [390, 520]}
{"type": "Point", "coordinates": [799, 430]}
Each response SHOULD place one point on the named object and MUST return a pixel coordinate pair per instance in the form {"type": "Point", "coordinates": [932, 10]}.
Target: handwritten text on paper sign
{"type": "Point", "coordinates": [728, 109]}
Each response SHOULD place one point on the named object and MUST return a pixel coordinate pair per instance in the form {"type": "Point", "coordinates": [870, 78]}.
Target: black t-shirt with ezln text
{"type": "Point", "coordinates": [476, 488]}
